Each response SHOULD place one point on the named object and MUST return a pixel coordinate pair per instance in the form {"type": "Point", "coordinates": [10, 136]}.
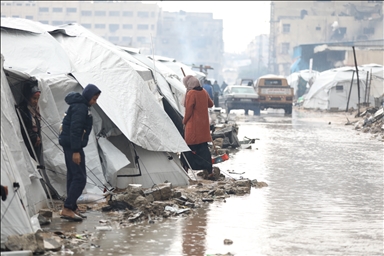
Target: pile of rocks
{"type": "Point", "coordinates": [372, 122]}
{"type": "Point", "coordinates": [136, 205]}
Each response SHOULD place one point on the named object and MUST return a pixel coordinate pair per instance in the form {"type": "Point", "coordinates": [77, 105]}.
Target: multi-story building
{"type": "Point", "coordinates": [192, 38]}
{"type": "Point", "coordinates": [319, 22]}
{"type": "Point", "coordinates": [124, 23]}
{"type": "Point", "coordinates": [257, 50]}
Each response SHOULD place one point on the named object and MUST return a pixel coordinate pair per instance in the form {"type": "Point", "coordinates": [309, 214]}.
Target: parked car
{"type": "Point", "coordinates": [241, 97]}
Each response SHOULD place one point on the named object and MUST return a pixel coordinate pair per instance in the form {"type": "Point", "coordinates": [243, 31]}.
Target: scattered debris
{"type": "Point", "coordinates": [228, 241]}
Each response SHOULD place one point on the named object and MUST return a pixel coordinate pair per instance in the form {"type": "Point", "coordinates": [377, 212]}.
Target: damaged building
{"type": "Point", "coordinates": [324, 31]}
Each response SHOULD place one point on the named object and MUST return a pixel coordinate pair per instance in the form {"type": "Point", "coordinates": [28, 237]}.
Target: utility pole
{"type": "Point", "coordinates": [358, 83]}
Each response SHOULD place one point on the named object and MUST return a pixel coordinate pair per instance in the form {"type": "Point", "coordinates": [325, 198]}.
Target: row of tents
{"type": "Point", "coordinates": [137, 132]}
{"type": "Point", "coordinates": [337, 89]}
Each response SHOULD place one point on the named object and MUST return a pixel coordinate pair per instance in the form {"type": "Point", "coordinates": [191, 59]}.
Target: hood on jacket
{"type": "Point", "coordinates": [75, 97]}
{"type": "Point", "coordinates": [89, 91]}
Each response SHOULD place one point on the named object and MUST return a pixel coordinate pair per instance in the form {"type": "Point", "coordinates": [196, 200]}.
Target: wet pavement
{"type": "Point", "coordinates": [324, 197]}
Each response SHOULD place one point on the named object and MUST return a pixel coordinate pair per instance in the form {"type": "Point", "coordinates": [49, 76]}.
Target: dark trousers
{"type": "Point", "coordinates": [76, 179]}
{"type": "Point", "coordinates": [199, 158]}
{"type": "Point", "coordinates": [216, 99]}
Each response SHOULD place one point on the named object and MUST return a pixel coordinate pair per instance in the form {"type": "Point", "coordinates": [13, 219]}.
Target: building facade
{"type": "Point", "coordinates": [192, 38]}
{"type": "Point", "coordinates": [257, 50]}
{"type": "Point", "coordinates": [129, 24]}
{"type": "Point", "coordinates": [313, 22]}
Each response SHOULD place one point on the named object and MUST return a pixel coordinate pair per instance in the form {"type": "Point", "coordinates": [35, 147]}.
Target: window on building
{"type": "Point", "coordinates": [70, 22]}
{"type": "Point", "coordinates": [318, 28]}
{"type": "Point", "coordinates": [127, 26]}
{"type": "Point", "coordinates": [71, 10]}
{"type": "Point", "coordinates": [113, 39]}
{"type": "Point", "coordinates": [57, 22]}
{"type": "Point", "coordinates": [44, 21]}
{"type": "Point", "coordinates": [127, 14]}
{"type": "Point", "coordinates": [27, 4]}
{"type": "Point", "coordinates": [284, 48]}
{"type": "Point", "coordinates": [100, 13]}
{"type": "Point", "coordinates": [8, 4]}
{"type": "Point", "coordinates": [339, 88]}
{"type": "Point", "coordinates": [86, 13]}
{"type": "Point", "coordinates": [143, 14]}
{"type": "Point", "coordinates": [142, 26]}
{"type": "Point", "coordinates": [29, 17]}
{"type": "Point", "coordinates": [87, 25]}
{"type": "Point", "coordinates": [43, 9]}
{"type": "Point", "coordinates": [141, 39]}
{"type": "Point", "coordinates": [100, 26]}
{"type": "Point", "coordinates": [152, 27]}
{"type": "Point", "coordinates": [286, 28]}
{"type": "Point", "coordinates": [114, 13]}
{"type": "Point", "coordinates": [152, 14]}
{"type": "Point", "coordinates": [303, 13]}
{"type": "Point", "coordinates": [127, 39]}
{"type": "Point", "coordinates": [3, 16]}
{"type": "Point", "coordinates": [19, 4]}
{"type": "Point", "coordinates": [15, 16]}
{"type": "Point", "coordinates": [57, 9]}
{"type": "Point", "coordinates": [113, 27]}
{"type": "Point", "coordinates": [369, 30]}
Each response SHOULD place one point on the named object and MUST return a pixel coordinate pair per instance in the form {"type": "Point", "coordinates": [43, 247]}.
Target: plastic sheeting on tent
{"type": "Point", "coordinates": [16, 166]}
{"type": "Point", "coordinates": [331, 89]}
{"type": "Point", "coordinates": [132, 108]}
{"type": "Point", "coordinates": [293, 79]}
{"type": "Point", "coordinates": [174, 92]}
{"type": "Point", "coordinates": [135, 91]}
{"type": "Point", "coordinates": [176, 67]}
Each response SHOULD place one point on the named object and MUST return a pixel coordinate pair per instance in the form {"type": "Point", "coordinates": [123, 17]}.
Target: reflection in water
{"type": "Point", "coordinates": [325, 197]}
{"type": "Point", "coordinates": [194, 234]}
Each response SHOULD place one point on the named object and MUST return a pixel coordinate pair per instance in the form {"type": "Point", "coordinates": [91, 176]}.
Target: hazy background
{"type": "Point", "coordinates": [242, 20]}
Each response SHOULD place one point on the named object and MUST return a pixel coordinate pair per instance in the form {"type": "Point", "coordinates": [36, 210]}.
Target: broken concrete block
{"type": "Point", "coordinates": [243, 183]}
{"type": "Point", "coordinates": [47, 213]}
{"type": "Point", "coordinates": [52, 244]}
{"type": "Point", "coordinates": [160, 193]}
{"type": "Point", "coordinates": [140, 200]}
{"type": "Point", "coordinates": [33, 242]}
{"type": "Point", "coordinates": [219, 192]}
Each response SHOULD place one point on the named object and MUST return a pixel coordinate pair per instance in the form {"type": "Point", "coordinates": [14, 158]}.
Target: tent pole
{"type": "Point", "coordinates": [189, 165]}
{"type": "Point", "coordinates": [358, 83]}
{"type": "Point", "coordinates": [366, 87]}
{"type": "Point", "coordinates": [369, 87]}
{"type": "Point", "coordinates": [350, 90]}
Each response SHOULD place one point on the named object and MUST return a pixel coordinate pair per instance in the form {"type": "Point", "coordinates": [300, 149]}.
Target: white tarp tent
{"type": "Point", "coordinates": [331, 88]}
{"type": "Point", "coordinates": [129, 108]}
{"type": "Point", "coordinates": [16, 167]}
{"type": "Point", "coordinates": [294, 78]}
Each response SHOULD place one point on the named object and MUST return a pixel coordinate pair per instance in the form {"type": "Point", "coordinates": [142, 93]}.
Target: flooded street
{"type": "Point", "coordinates": [324, 197]}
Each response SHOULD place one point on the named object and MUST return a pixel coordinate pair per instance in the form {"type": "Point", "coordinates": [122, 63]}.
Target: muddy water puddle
{"type": "Point", "coordinates": [325, 197]}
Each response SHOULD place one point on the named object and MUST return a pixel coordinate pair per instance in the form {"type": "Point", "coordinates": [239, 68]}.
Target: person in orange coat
{"type": "Point", "coordinates": [197, 128]}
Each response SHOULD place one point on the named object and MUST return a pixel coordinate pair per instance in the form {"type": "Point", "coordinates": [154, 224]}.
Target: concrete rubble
{"type": "Point", "coordinates": [372, 122]}
{"type": "Point", "coordinates": [130, 206]}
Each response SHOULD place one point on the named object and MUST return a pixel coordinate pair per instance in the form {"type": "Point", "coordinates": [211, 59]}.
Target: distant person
{"type": "Point", "coordinates": [76, 127]}
{"type": "Point", "coordinates": [197, 129]}
{"type": "Point", "coordinates": [208, 87]}
{"type": "Point", "coordinates": [216, 93]}
{"type": "Point", "coordinates": [223, 86]}
{"type": "Point", "coordinates": [30, 114]}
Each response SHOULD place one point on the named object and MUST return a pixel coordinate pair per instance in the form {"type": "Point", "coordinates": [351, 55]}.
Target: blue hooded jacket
{"type": "Point", "coordinates": [77, 123]}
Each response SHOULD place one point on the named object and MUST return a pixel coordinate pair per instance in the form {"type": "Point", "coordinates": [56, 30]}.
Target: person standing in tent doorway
{"type": "Point", "coordinates": [30, 115]}
{"type": "Point", "coordinates": [75, 130]}
{"type": "Point", "coordinates": [196, 122]}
